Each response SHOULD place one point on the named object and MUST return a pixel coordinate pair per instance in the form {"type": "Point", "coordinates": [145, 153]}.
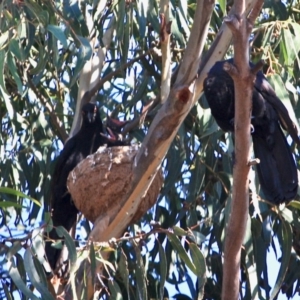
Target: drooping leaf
{"type": "Point", "coordinates": [61, 231]}
{"type": "Point", "coordinates": [10, 191]}
{"type": "Point", "coordinates": [163, 269]}
{"type": "Point", "coordinates": [141, 291]}
{"type": "Point", "coordinates": [15, 276]}
{"type": "Point", "coordinates": [124, 272]}
{"type": "Point", "coordinates": [59, 34]}
{"type": "Point", "coordinates": [285, 234]}
{"type": "Point", "coordinates": [176, 244]}
{"type": "Point", "coordinates": [38, 280]}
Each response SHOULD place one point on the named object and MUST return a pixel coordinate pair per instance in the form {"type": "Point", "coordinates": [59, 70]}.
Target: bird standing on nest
{"type": "Point", "coordinates": [88, 139]}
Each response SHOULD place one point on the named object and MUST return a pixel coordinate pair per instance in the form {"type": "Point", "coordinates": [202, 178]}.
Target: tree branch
{"type": "Point", "coordinates": [160, 135]}
{"type": "Point", "coordinates": [165, 34]}
{"type": "Point", "coordinates": [243, 78]}
{"type": "Point", "coordinates": [218, 48]}
{"type": "Point", "coordinates": [90, 74]}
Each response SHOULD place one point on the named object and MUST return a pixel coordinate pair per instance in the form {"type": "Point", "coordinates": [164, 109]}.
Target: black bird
{"type": "Point", "coordinates": [277, 171]}
{"type": "Point", "coordinates": [89, 138]}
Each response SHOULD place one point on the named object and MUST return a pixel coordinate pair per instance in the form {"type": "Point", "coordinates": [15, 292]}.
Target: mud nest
{"type": "Point", "coordinates": [99, 183]}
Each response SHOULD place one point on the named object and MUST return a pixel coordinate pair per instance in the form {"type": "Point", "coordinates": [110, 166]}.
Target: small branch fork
{"type": "Point", "coordinates": [243, 77]}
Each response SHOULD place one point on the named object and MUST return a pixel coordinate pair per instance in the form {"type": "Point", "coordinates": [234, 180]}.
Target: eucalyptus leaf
{"type": "Point", "coordinates": [11, 191]}
{"type": "Point", "coordinates": [35, 277]}
{"type": "Point", "coordinates": [181, 252]}
{"type": "Point", "coordinates": [59, 34]}
{"type": "Point", "coordinates": [15, 276]}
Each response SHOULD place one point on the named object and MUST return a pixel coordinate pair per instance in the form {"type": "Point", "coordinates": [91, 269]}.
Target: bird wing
{"type": "Point", "coordinates": [277, 171]}
{"type": "Point", "coordinates": [262, 86]}
{"type": "Point", "coordinates": [65, 154]}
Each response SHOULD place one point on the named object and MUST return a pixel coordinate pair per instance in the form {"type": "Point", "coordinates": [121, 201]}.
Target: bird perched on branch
{"type": "Point", "coordinates": [277, 171]}
{"type": "Point", "coordinates": [89, 138]}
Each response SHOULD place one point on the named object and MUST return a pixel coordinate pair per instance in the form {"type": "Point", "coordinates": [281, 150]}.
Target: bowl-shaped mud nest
{"type": "Point", "coordinates": [99, 183]}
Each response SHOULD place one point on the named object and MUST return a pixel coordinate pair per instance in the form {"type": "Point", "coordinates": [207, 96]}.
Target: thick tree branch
{"type": "Point", "coordinates": [243, 86]}
{"type": "Point", "coordinates": [166, 123]}
{"type": "Point", "coordinates": [161, 133]}
{"type": "Point", "coordinates": [182, 97]}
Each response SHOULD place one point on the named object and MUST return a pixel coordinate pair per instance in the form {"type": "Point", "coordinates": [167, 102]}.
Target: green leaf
{"type": "Point", "coordinates": [15, 248]}
{"type": "Point", "coordinates": [10, 191]}
{"type": "Point", "coordinates": [141, 291]}
{"type": "Point", "coordinates": [295, 204]}
{"type": "Point", "coordinates": [6, 292]}
{"type": "Point", "coordinates": [126, 38]}
{"type": "Point", "coordinates": [39, 62]}
{"type": "Point", "coordinates": [176, 244]}
{"type": "Point", "coordinates": [286, 235]}
{"type": "Point", "coordinates": [199, 262]}
{"type": "Point", "coordinates": [296, 39]}
{"type": "Point", "coordinates": [179, 231]}
{"type": "Point", "coordinates": [115, 290]}
{"type": "Point", "coordinates": [72, 11]}
{"type": "Point", "coordinates": [142, 6]}
{"type": "Point", "coordinates": [120, 17]}
{"type": "Point", "coordinates": [59, 34]}
{"type": "Point", "coordinates": [182, 20]}
{"type": "Point", "coordinates": [196, 179]}
{"type": "Point", "coordinates": [41, 14]}
{"type": "Point", "coordinates": [123, 270]}
{"type": "Point", "coordinates": [176, 27]}
{"type": "Point", "coordinates": [250, 261]}
{"type": "Point", "coordinates": [223, 6]}
{"type": "Point", "coordinates": [5, 204]}
{"type": "Point", "coordinates": [35, 278]}
{"type": "Point", "coordinates": [163, 269]}
{"type": "Point", "coordinates": [13, 70]}
{"type": "Point", "coordinates": [15, 276]}
{"type": "Point", "coordinates": [16, 49]}
{"type": "Point", "coordinates": [62, 232]}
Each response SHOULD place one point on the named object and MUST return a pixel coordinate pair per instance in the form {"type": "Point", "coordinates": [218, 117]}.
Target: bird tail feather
{"type": "Point", "coordinates": [277, 171]}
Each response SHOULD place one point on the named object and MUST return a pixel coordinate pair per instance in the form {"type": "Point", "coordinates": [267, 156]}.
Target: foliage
{"type": "Point", "coordinates": [44, 46]}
